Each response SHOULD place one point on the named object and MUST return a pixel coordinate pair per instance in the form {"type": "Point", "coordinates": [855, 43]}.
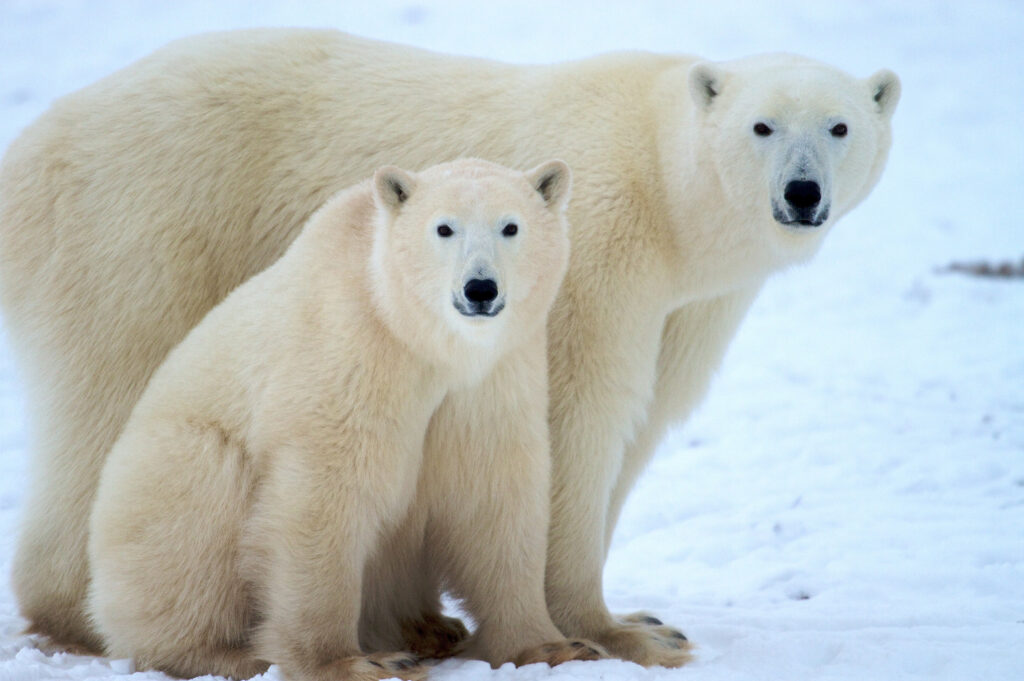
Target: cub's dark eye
{"type": "Point", "coordinates": [511, 229]}
{"type": "Point", "coordinates": [839, 130]}
{"type": "Point", "coordinates": [762, 129]}
{"type": "Point", "coordinates": [444, 230]}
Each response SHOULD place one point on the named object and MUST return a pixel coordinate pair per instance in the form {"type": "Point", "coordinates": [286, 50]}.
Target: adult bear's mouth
{"type": "Point", "coordinates": [802, 205]}
{"type": "Point", "coordinates": [799, 219]}
{"type": "Point", "coordinates": [801, 223]}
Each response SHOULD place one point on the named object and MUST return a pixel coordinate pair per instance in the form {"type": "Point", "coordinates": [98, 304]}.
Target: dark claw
{"type": "Point", "coordinates": [653, 621]}
{"type": "Point", "coordinates": [404, 663]}
{"type": "Point", "coordinates": [576, 644]}
{"type": "Point", "coordinates": [593, 652]}
{"type": "Point", "coordinates": [680, 635]}
{"type": "Point", "coordinates": [376, 664]}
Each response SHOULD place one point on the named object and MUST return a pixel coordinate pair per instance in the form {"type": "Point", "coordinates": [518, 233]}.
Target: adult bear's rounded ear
{"type": "Point", "coordinates": [884, 87]}
{"type": "Point", "coordinates": [705, 82]}
{"type": "Point", "coordinates": [553, 181]}
{"type": "Point", "coordinates": [392, 187]}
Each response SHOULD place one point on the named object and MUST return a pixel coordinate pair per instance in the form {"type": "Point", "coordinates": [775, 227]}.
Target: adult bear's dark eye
{"type": "Point", "coordinates": [839, 130]}
{"type": "Point", "coordinates": [444, 230]}
{"type": "Point", "coordinates": [511, 229]}
{"type": "Point", "coordinates": [762, 129]}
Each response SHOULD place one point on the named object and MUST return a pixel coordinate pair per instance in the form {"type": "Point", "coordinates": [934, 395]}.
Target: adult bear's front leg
{"type": "Point", "coordinates": [574, 568]}
{"type": "Point", "coordinates": [693, 342]}
{"type": "Point", "coordinates": [602, 383]}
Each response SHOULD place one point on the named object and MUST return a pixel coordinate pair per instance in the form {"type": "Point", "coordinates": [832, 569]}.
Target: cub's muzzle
{"type": "Point", "coordinates": [479, 298]}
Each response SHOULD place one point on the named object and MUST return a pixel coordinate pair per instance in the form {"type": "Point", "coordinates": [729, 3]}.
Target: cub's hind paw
{"type": "Point", "coordinates": [435, 636]}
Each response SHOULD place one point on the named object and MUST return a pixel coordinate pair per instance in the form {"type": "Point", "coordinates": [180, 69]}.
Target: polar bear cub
{"type": "Point", "coordinates": [282, 440]}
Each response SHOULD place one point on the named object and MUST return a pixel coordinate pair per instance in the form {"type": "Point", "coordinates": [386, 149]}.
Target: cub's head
{"type": "Point", "coordinates": [470, 254]}
{"type": "Point", "coordinates": [793, 141]}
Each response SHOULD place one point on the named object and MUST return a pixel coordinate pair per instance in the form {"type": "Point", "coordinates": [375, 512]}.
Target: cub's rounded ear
{"type": "Point", "coordinates": [884, 87]}
{"type": "Point", "coordinates": [553, 181]}
{"type": "Point", "coordinates": [705, 81]}
{"type": "Point", "coordinates": [392, 187]}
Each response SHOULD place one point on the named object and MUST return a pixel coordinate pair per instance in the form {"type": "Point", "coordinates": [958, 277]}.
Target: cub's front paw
{"type": "Point", "coordinates": [379, 666]}
{"type": "Point", "coordinates": [558, 652]}
{"type": "Point", "coordinates": [435, 636]}
{"type": "Point", "coordinates": [646, 640]}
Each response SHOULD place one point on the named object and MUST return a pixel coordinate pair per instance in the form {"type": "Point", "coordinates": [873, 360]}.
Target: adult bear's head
{"type": "Point", "coordinates": [792, 142]}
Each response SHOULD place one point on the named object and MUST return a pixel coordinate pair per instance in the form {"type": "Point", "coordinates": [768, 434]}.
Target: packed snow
{"type": "Point", "coordinates": [849, 501]}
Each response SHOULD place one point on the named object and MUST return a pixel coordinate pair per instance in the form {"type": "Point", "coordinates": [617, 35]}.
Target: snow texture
{"type": "Point", "coordinates": [849, 501]}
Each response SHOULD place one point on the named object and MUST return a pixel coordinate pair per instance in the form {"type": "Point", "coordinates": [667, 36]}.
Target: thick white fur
{"type": "Point", "coordinates": [280, 445]}
{"type": "Point", "coordinates": [136, 204]}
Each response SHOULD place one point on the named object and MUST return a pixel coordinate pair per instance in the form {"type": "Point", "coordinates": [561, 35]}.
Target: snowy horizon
{"type": "Point", "coordinates": [848, 503]}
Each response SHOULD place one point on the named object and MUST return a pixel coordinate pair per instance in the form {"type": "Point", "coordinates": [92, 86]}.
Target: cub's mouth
{"type": "Point", "coordinates": [470, 309]}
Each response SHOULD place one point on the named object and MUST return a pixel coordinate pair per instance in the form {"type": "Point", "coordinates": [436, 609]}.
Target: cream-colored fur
{"type": "Point", "coordinates": [281, 443]}
{"type": "Point", "coordinates": [136, 204]}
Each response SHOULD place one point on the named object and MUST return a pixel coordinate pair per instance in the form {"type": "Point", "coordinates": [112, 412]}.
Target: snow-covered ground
{"type": "Point", "coordinates": [849, 502]}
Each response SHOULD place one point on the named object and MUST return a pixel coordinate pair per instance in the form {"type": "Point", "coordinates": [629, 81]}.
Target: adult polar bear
{"type": "Point", "coordinates": [133, 206]}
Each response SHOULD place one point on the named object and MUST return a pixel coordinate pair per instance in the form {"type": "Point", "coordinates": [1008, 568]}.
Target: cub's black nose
{"type": "Point", "coordinates": [480, 290]}
{"type": "Point", "coordinates": [803, 194]}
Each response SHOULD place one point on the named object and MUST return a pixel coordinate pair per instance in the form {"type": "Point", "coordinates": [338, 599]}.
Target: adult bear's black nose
{"type": "Point", "coordinates": [480, 290]}
{"type": "Point", "coordinates": [803, 194]}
